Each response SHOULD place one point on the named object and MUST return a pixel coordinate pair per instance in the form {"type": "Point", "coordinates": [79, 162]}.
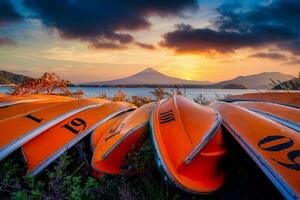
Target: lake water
{"type": "Point", "coordinates": [190, 92]}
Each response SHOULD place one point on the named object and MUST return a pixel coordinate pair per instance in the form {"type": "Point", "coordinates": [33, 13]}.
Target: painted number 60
{"type": "Point", "coordinates": [282, 143]}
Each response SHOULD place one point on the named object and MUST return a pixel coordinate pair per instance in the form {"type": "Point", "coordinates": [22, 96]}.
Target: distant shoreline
{"type": "Point", "coordinates": [147, 86]}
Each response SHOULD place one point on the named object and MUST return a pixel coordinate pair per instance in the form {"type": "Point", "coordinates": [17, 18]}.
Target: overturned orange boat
{"type": "Point", "coordinates": [274, 147]}
{"type": "Point", "coordinates": [285, 115]}
{"type": "Point", "coordinates": [188, 144]}
{"type": "Point", "coordinates": [284, 98]}
{"type": "Point", "coordinates": [119, 139]}
{"type": "Point", "coordinates": [67, 133]}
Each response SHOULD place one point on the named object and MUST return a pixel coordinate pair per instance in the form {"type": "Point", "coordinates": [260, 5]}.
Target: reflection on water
{"type": "Point", "coordinates": [190, 92]}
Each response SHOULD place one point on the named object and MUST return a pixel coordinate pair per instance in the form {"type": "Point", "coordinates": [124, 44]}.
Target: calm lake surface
{"type": "Point", "coordinates": [190, 92]}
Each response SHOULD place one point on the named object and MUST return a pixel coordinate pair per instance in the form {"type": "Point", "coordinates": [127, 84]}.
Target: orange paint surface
{"type": "Point", "coordinates": [274, 147]}
{"type": "Point", "coordinates": [27, 108]}
{"type": "Point", "coordinates": [287, 98]}
{"type": "Point", "coordinates": [11, 98]}
{"type": "Point", "coordinates": [283, 112]}
{"type": "Point", "coordinates": [119, 139]}
{"type": "Point", "coordinates": [178, 127]}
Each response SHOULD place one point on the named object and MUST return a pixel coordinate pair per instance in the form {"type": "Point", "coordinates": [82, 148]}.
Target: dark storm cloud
{"type": "Point", "coordinates": [8, 12]}
{"type": "Point", "coordinates": [6, 41]}
{"type": "Point", "coordinates": [292, 46]}
{"type": "Point", "coordinates": [188, 39]}
{"type": "Point", "coordinates": [102, 21]}
{"type": "Point", "coordinates": [236, 27]}
{"type": "Point", "coordinates": [273, 56]}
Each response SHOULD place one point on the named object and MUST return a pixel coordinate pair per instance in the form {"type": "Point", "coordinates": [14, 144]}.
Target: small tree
{"type": "Point", "coordinates": [200, 99]}
{"type": "Point", "coordinates": [120, 96]}
{"type": "Point", "coordinates": [160, 93]}
{"type": "Point", "coordinates": [103, 95]}
{"type": "Point", "coordinates": [140, 100]}
{"type": "Point", "coordinates": [178, 91]}
{"type": "Point", "coordinates": [49, 83]}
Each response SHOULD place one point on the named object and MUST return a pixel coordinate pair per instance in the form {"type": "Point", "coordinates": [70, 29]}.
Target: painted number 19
{"type": "Point", "coordinates": [76, 125]}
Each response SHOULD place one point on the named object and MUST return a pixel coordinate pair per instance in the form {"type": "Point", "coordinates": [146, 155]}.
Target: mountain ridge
{"type": "Point", "coordinates": [257, 81]}
{"type": "Point", "coordinates": [147, 77]}
{"type": "Point", "coordinates": [7, 78]}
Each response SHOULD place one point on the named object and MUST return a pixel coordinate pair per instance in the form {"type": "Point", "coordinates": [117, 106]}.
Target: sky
{"type": "Point", "coordinates": [100, 40]}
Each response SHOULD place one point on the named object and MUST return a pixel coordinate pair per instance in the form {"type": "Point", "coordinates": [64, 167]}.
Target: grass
{"type": "Point", "coordinates": [68, 178]}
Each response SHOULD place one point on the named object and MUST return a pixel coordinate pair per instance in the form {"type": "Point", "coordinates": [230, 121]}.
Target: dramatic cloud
{"type": "Point", "coordinates": [292, 46]}
{"type": "Point", "coordinates": [275, 24]}
{"type": "Point", "coordinates": [102, 22]}
{"type": "Point", "coordinates": [293, 62]}
{"type": "Point", "coordinates": [8, 12]}
{"type": "Point", "coordinates": [273, 56]}
{"type": "Point", "coordinates": [145, 46]}
{"type": "Point", "coordinates": [106, 45]}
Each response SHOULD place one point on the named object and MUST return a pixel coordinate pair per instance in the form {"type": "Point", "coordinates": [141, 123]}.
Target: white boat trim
{"type": "Point", "coordinates": [205, 139]}
{"type": "Point", "coordinates": [5, 104]}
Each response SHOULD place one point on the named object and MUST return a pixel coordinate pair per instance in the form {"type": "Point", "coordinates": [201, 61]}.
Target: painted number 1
{"type": "Point", "coordinates": [38, 120]}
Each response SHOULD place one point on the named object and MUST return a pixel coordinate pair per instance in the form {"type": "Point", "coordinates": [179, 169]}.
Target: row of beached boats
{"type": "Point", "coordinates": [188, 138]}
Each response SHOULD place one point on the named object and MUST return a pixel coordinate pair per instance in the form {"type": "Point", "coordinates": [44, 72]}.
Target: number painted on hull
{"type": "Point", "coordinates": [284, 143]}
{"type": "Point", "coordinates": [38, 120]}
{"type": "Point", "coordinates": [279, 143]}
{"type": "Point", "coordinates": [77, 122]}
{"type": "Point", "coordinates": [114, 131]}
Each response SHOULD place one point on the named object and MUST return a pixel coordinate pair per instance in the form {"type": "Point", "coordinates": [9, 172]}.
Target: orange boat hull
{"type": "Point", "coordinates": [285, 115]}
{"type": "Point", "coordinates": [118, 140]}
{"type": "Point", "coordinates": [188, 144]}
{"type": "Point", "coordinates": [274, 147]}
